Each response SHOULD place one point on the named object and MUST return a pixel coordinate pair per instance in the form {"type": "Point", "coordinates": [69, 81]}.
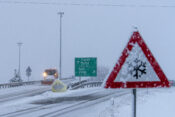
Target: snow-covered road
{"type": "Point", "coordinates": [27, 91]}
{"type": "Point", "coordinates": [14, 93]}
{"type": "Point", "coordinates": [51, 104]}
{"type": "Point", "coordinates": [88, 102]}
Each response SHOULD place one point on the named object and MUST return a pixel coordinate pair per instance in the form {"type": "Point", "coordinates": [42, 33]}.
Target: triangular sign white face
{"type": "Point", "coordinates": [136, 68]}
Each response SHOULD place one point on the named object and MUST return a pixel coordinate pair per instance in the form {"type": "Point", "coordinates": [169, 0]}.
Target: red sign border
{"type": "Point", "coordinates": [142, 84]}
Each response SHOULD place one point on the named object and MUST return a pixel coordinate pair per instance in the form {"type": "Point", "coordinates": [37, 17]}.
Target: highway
{"type": "Point", "coordinates": [40, 101]}
{"type": "Point", "coordinates": [9, 94]}
{"type": "Point", "coordinates": [65, 104]}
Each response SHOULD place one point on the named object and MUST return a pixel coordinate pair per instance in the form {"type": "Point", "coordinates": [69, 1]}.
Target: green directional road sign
{"type": "Point", "coordinates": [86, 66]}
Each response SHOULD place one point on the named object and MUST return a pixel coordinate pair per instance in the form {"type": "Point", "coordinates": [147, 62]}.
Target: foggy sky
{"type": "Point", "coordinates": [88, 31]}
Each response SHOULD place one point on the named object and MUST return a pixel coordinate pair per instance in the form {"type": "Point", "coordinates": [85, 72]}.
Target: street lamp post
{"type": "Point", "coordinates": [19, 72]}
{"type": "Point", "coordinates": [61, 15]}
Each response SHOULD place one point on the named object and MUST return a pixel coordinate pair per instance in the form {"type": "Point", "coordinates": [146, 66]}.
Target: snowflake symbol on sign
{"type": "Point", "coordinates": [137, 68]}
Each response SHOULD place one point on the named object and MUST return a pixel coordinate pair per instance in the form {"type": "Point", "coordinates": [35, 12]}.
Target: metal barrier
{"type": "Point", "coordinates": [16, 84]}
{"type": "Point", "coordinates": [72, 86]}
{"type": "Point", "coordinates": [87, 84]}
{"type": "Point", "coordinates": [76, 83]}
{"type": "Point", "coordinates": [172, 83]}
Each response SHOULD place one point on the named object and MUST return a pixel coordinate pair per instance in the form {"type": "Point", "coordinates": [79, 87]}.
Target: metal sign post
{"type": "Point", "coordinates": [61, 16]}
{"type": "Point", "coordinates": [134, 91]}
{"type": "Point", "coordinates": [28, 72]}
{"type": "Point", "coordinates": [79, 79]}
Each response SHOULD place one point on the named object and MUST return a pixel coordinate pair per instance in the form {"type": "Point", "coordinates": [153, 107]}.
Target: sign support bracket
{"type": "Point", "coordinates": [80, 79]}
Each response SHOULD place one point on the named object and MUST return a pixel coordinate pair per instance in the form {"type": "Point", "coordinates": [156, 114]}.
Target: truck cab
{"type": "Point", "coordinates": [49, 76]}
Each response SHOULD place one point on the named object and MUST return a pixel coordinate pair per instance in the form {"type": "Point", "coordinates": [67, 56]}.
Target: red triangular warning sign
{"type": "Point", "coordinates": [136, 68]}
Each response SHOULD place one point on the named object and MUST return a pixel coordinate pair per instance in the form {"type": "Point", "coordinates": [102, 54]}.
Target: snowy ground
{"type": "Point", "coordinates": [150, 103]}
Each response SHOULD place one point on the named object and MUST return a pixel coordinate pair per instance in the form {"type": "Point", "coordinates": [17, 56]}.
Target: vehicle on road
{"type": "Point", "coordinates": [49, 76]}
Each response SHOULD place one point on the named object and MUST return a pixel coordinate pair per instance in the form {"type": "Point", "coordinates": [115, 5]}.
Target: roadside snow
{"type": "Point", "coordinates": [150, 103]}
{"type": "Point", "coordinates": [159, 104]}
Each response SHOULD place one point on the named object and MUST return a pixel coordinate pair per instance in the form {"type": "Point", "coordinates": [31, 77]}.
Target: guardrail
{"type": "Point", "coordinates": [86, 84]}
{"type": "Point", "coordinates": [98, 84]}
{"type": "Point", "coordinates": [72, 86]}
{"type": "Point", "coordinates": [16, 84]}
{"type": "Point", "coordinates": [172, 82]}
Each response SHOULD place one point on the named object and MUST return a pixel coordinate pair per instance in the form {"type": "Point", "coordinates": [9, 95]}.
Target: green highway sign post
{"type": "Point", "coordinates": [85, 67]}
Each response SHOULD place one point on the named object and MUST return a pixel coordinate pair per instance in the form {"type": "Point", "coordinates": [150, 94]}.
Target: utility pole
{"type": "Point", "coordinates": [61, 15]}
{"type": "Point", "coordinates": [19, 72]}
